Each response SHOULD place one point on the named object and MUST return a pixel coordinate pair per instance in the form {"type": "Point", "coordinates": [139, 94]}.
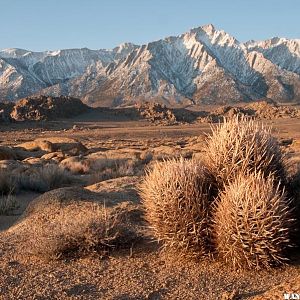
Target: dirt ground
{"type": "Point", "coordinates": [140, 272]}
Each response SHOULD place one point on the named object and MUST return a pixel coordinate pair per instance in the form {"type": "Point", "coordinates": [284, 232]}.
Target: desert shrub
{"type": "Point", "coordinates": [240, 145]}
{"type": "Point", "coordinates": [176, 195]}
{"type": "Point", "coordinates": [75, 230]}
{"type": "Point", "coordinates": [119, 168]}
{"type": "Point", "coordinates": [8, 184]}
{"type": "Point", "coordinates": [103, 175]}
{"type": "Point", "coordinates": [252, 222]}
{"type": "Point", "coordinates": [54, 176]}
{"type": "Point", "coordinates": [7, 203]}
{"type": "Point", "coordinates": [146, 156]}
{"type": "Point", "coordinates": [76, 165]}
{"type": "Point", "coordinates": [44, 178]}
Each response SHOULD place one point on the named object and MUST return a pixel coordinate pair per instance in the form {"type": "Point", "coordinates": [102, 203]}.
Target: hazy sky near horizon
{"type": "Point", "coordinates": [56, 24]}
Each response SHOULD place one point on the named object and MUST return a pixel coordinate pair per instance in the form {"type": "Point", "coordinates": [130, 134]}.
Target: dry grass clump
{"type": "Point", "coordinates": [8, 184]}
{"type": "Point", "coordinates": [44, 178]}
{"type": "Point", "coordinates": [76, 165]}
{"type": "Point", "coordinates": [115, 169]}
{"type": "Point", "coordinates": [177, 195]}
{"type": "Point", "coordinates": [7, 204]}
{"type": "Point", "coordinates": [240, 145]}
{"type": "Point", "coordinates": [252, 222]}
{"type": "Point", "coordinates": [40, 179]}
{"type": "Point", "coordinates": [54, 176]}
{"type": "Point", "coordinates": [76, 229]}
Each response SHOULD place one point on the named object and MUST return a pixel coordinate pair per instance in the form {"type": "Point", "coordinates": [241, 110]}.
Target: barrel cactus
{"type": "Point", "coordinates": [177, 195]}
{"type": "Point", "coordinates": [240, 145]}
{"type": "Point", "coordinates": [252, 222]}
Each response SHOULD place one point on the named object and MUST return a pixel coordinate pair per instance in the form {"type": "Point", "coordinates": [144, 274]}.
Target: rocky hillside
{"type": "Point", "coordinates": [42, 108]}
{"type": "Point", "coordinates": [23, 73]}
{"type": "Point", "coordinates": [204, 65]}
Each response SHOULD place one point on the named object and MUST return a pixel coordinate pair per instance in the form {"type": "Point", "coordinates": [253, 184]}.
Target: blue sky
{"type": "Point", "coordinates": [56, 24]}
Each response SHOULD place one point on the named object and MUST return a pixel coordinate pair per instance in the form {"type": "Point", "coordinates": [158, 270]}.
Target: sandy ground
{"type": "Point", "coordinates": [141, 272]}
{"type": "Point", "coordinates": [24, 198]}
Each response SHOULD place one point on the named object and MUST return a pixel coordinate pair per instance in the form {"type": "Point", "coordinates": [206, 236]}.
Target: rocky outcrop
{"type": "Point", "coordinates": [156, 113]}
{"type": "Point", "coordinates": [47, 108]}
{"type": "Point", "coordinates": [5, 111]}
{"type": "Point", "coordinates": [260, 110]}
{"type": "Point", "coordinates": [55, 144]}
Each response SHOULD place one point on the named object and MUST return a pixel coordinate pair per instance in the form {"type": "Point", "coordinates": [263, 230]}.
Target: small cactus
{"type": "Point", "coordinates": [252, 222]}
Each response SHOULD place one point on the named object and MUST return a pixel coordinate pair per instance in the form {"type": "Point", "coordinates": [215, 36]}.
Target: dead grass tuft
{"type": "Point", "coordinates": [176, 195]}
{"type": "Point", "coordinates": [8, 184]}
{"type": "Point", "coordinates": [40, 179]}
{"type": "Point", "coordinates": [253, 222]}
{"type": "Point", "coordinates": [76, 230]}
{"type": "Point", "coordinates": [116, 168]}
{"type": "Point", "coordinates": [7, 204]}
{"type": "Point", "coordinates": [44, 178]}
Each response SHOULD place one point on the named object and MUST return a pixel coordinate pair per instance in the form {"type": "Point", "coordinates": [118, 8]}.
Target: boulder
{"type": "Point", "coordinates": [56, 156]}
{"type": "Point", "coordinates": [55, 144]}
{"type": "Point", "coordinates": [157, 113]}
{"type": "Point", "coordinates": [35, 161]}
{"type": "Point", "coordinates": [71, 222]}
{"type": "Point", "coordinates": [36, 145]}
{"type": "Point", "coordinates": [117, 190]}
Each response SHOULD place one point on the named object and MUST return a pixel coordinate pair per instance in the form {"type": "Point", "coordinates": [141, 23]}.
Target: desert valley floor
{"type": "Point", "coordinates": [138, 271]}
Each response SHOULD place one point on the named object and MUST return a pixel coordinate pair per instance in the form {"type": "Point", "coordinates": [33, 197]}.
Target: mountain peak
{"type": "Point", "coordinates": [209, 28]}
{"type": "Point", "coordinates": [208, 33]}
{"type": "Point", "coordinates": [125, 47]}
{"type": "Point", "coordinates": [204, 64]}
{"type": "Point", "coordinates": [13, 52]}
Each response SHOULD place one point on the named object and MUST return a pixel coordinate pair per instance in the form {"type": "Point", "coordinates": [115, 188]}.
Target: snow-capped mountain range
{"type": "Point", "coordinates": [204, 65]}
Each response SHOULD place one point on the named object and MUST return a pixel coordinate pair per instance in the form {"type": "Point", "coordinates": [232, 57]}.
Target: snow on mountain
{"type": "Point", "coordinates": [282, 52]}
{"type": "Point", "coordinates": [204, 65]}
{"type": "Point", "coordinates": [34, 71]}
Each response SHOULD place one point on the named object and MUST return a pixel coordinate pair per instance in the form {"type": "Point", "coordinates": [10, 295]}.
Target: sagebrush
{"type": "Point", "coordinates": [44, 178]}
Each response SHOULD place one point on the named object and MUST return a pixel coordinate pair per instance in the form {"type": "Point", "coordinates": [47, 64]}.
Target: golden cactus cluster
{"type": "Point", "coordinates": [232, 203]}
